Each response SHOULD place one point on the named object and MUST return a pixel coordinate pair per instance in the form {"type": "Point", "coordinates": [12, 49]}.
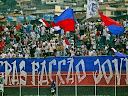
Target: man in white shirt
{"type": "Point", "coordinates": [33, 35]}
{"type": "Point", "coordinates": [90, 53]}
{"type": "Point", "coordinates": [3, 55]}
{"type": "Point", "coordinates": [107, 38]}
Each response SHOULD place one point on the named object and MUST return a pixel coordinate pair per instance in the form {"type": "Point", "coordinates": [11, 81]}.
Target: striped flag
{"type": "Point", "coordinates": [44, 22]}
{"type": "Point", "coordinates": [118, 53]}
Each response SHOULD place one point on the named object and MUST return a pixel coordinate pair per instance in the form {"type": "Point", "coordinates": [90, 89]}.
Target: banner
{"type": "Point", "coordinates": [48, 16]}
{"type": "Point", "coordinates": [9, 18]}
{"type": "Point", "coordinates": [92, 8]}
{"type": "Point", "coordinates": [88, 71]}
{"type": "Point", "coordinates": [31, 17]}
{"type": "Point", "coordinates": [20, 18]}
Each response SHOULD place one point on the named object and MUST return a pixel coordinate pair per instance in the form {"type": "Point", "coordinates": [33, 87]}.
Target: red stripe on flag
{"type": "Point", "coordinates": [66, 41]}
{"type": "Point", "coordinates": [46, 23]}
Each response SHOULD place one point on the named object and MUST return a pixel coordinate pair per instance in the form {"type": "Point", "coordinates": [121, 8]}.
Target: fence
{"type": "Point", "coordinates": [67, 87]}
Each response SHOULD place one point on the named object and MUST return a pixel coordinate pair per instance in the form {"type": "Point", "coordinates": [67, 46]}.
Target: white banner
{"type": "Point", "coordinates": [1, 84]}
{"type": "Point", "coordinates": [92, 8]}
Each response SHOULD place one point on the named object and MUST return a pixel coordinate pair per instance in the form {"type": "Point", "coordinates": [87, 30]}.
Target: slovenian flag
{"type": "Point", "coordinates": [118, 53]}
{"type": "Point", "coordinates": [44, 22]}
{"type": "Point", "coordinates": [66, 20]}
{"type": "Point", "coordinates": [113, 26]}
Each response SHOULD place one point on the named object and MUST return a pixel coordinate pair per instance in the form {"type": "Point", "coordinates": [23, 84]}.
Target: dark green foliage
{"type": "Point", "coordinates": [37, 2]}
{"type": "Point", "coordinates": [9, 3]}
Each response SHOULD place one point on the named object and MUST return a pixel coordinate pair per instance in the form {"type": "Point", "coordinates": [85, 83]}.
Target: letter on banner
{"type": "Point", "coordinates": [59, 70]}
{"type": "Point", "coordinates": [110, 70]}
{"type": "Point", "coordinates": [8, 70]}
{"type": "Point", "coordinates": [126, 70]}
{"type": "Point", "coordinates": [34, 69]}
{"type": "Point", "coordinates": [70, 70]}
{"type": "Point", "coordinates": [115, 61]}
{"type": "Point", "coordinates": [2, 63]}
{"type": "Point", "coordinates": [50, 69]}
{"type": "Point", "coordinates": [15, 78]}
{"type": "Point", "coordinates": [78, 72]}
{"type": "Point", "coordinates": [43, 71]}
{"type": "Point", "coordinates": [99, 77]}
{"type": "Point", "coordinates": [23, 73]}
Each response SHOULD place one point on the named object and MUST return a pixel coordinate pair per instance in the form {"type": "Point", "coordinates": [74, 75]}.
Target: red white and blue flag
{"type": "Point", "coordinates": [44, 22]}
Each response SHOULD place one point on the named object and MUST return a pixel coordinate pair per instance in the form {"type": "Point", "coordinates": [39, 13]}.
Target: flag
{"type": "Point", "coordinates": [53, 24]}
{"type": "Point", "coordinates": [92, 8]}
{"type": "Point", "coordinates": [118, 53]}
{"type": "Point", "coordinates": [76, 22]}
{"type": "Point", "coordinates": [78, 36]}
{"type": "Point", "coordinates": [57, 29]}
{"type": "Point", "coordinates": [44, 22]}
{"type": "Point", "coordinates": [113, 26]}
{"type": "Point", "coordinates": [66, 20]}
{"type": "Point", "coordinates": [66, 42]}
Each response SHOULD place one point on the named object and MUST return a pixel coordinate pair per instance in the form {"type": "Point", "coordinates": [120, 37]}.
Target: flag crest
{"type": "Point", "coordinates": [92, 8]}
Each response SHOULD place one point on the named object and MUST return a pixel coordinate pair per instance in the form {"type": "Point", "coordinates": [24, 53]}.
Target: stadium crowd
{"type": "Point", "coordinates": [36, 41]}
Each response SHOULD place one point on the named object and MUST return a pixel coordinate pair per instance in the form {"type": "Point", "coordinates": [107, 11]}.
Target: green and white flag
{"type": "Point", "coordinates": [1, 84]}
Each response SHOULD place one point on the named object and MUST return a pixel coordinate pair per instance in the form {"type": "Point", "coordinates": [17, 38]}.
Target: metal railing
{"type": "Point", "coordinates": [57, 78]}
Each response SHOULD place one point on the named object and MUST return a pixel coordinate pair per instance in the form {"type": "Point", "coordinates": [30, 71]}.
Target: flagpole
{"type": "Point", "coordinates": [2, 93]}
{"type": "Point", "coordinates": [95, 85]}
{"type": "Point", "coordinates": [75, 85]}
{"type": "Point", "coordinates": [3, 84]}
{"type": "Point", "coordinates": [56, 86]}
{"type": "Point", "coordinates": [38, 85]}
{"type": "Point", "coordinates": [20, 84]}
{"type": "Point", "coordinates": [115, 84]}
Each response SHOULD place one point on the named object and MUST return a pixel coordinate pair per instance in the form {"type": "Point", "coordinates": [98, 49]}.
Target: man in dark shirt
{"type": "Point", "coordinates": [53, 88]}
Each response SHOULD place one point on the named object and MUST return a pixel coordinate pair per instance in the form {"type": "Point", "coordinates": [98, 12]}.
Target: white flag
{"type": "Point", "coordinates": [92, 8]}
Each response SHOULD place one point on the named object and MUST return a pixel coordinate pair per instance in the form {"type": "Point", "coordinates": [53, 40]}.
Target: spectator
{"type": "Point", "coordinates": [108, 38]}
{"type": "Point", "coordinates": [78, 53]}
{"type": "Point", "coordinates": [53, 88]}
{"type": "Point", "coordinates": [39, 41]}
{"type": "Point", "coordinates": [98, 52]}
{"type": "Point", "coordinates": [51, 50]}
{"type": "Point", "coordinates": [90, 53]}
{"type": "Point", "coordinates": [3, 55]}
{"type": "Point", "coordinates": [103, 52]}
